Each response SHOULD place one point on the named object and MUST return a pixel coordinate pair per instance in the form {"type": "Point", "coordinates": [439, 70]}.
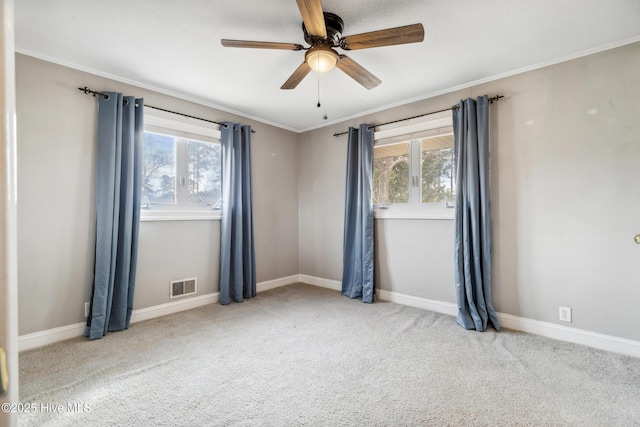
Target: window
{"type": "Point", "coordinates": [181, 170]}
{"type": "Point", "coordinates": [437, 177]}
{"type": "Point", "coordinates": [159, 170]}
{"type": "Point", "coordinates": [414, 170]}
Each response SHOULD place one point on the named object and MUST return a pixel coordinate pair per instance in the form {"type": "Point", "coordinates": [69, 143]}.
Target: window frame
{"type": "Point", "coordinates": [180, 127]}
{"type": "Point", "coordinates": [411, 131]}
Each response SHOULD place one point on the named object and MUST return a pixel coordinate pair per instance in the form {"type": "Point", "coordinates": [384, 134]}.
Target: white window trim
{"type": "Point", "coordinates": [209, 215]}
{"type": "Point", "coordinates": [410, 129]}
{"type": "Point", "coordinates": [447, 213]}
{"type": "Point", "coordinates": [159, 120]}
{"type": "Point", "coordinates": [413, 126]}
{"type": "Point", "coordinates": [175, 122]}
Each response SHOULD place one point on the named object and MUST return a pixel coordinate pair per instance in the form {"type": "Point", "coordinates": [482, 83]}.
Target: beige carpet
{"type": "Point", "coordinates": [306, 356]}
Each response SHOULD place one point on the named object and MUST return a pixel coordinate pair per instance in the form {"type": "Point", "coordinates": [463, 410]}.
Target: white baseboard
{"type": "Point", "coordinates": [336, 285]}
{"type": "Point", "coordinates": [573, 335]}
{"type": "Point", "coordinates": [40, 338]}
{"type": "Point", "coordinates": [424, 303]}
{"type": "Point", "coordinates": [545, 329]}
{"type": "Point", "coordinates": [50, 336]}
{"type": "Point", "coordinates": [523, 324]}
{"type": "Point", "coordinates": [173, 307]}
{"type": "Point", "coordinates": [276, 283]}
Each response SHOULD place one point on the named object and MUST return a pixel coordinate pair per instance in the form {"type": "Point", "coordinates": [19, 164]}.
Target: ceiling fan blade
{"type": "Point", "coordinates": [312, 16]}
{"type": "Point", "coordinates": [260, 45]}
{"type": "Point", "coordinates": [389, 37]}
{"type": "Point", "coordinates": [297, 76]}
{"type": "Point", "coordinates": [357, 72]}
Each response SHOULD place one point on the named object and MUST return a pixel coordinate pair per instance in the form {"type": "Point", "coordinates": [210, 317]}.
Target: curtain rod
{"type": "Point", "coordinates": [88, 91]}
{"type": "Point", "coordinates": [455, 107]}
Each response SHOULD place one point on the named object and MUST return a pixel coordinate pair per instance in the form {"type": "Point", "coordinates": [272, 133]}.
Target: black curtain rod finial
{"type": "Point", "coordinates": [94, 93]}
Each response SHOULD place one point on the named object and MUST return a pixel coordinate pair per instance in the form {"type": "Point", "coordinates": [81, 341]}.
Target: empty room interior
{"type": "Point", "coordinates": [264, 249]}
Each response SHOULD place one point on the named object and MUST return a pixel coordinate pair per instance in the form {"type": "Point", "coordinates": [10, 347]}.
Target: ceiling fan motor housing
{"type": "Point", "coordinates": [334, 25]}
{"type": "Point", "coordinates": [325, 36]}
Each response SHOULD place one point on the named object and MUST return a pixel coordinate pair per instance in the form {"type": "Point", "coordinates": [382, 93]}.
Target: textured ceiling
{"type": "Point", "coordinates": [174, 47]}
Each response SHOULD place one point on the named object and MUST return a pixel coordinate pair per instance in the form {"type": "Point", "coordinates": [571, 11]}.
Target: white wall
{"type": "Point", "coordinates": [565, 198]}
{"type": "Point", "coordinates": [56, 226]}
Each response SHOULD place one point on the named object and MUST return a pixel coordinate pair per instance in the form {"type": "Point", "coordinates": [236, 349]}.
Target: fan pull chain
{"type": "Point", "coordinates": [318, 81]}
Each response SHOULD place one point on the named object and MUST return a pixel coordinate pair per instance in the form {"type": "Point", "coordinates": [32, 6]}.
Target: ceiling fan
{"type": "Point", "coordinates": [323, 32]}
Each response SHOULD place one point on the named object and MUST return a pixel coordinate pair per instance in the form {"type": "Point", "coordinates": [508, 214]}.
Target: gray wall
{"type": "Point", "coordinates": [565, 198]}
{"type": "Point", "coordinates": [564, 194]}
{"type": "Point", "coordinates": [56, 209]}
{"type": "Point", "coordinates": [406, 261]}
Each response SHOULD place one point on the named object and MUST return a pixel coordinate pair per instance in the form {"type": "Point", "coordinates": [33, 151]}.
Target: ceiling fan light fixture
{"type": "Point", "coordinates": [321, 58]}
{"type": "Point", "coordinates": [323, 32]}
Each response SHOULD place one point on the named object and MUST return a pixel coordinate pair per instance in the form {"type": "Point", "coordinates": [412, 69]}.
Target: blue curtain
{"type": "Point", "coordinates": [237, 252]}
{"type": "Point", "coordinates": [358, 257]}
{"type": "Point", "coordinates": [473, 215]}
{"type": "Point", "coordinates": [120, 139]}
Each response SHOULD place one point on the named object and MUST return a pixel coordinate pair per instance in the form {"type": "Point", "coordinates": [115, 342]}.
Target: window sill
{"type": "Point", "coordinates": [211, 215]}
{"type": "Point", "coordinates": [437, 214]}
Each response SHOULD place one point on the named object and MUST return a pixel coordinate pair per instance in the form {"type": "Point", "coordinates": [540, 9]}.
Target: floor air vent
{"type": "Point", "coordinates": [180, 288]}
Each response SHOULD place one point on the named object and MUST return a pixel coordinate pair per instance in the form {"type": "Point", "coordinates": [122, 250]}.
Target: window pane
{"type": "Point", "coordinates": [159, 171]}
{"type": "Point", "coordinates": [204, 173]}
{"type": "Point", "coordinates": [438, 176]}
{"type": "Point", "coordinates": [391, 173]}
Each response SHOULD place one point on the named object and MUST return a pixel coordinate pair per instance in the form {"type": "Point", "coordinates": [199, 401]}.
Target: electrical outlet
{"type": "Point", "coordinates": [86, 309]}
{"type": "Point", "coordinates": [565, 314]}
